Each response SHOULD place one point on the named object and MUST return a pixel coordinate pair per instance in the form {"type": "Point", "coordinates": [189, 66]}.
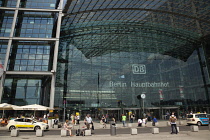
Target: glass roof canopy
{"type": "Point", "coordinates": [167, 27]}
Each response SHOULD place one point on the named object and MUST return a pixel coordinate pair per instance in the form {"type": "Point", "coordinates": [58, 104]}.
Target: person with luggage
{"type": "Point", "coordinates": [81, 132]}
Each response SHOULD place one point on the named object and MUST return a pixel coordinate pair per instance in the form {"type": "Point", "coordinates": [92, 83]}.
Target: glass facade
{"type": "Point", "coordinates": [27, 47]}
{"type": "Point", "coordinates": [29, 56]}
{"type": "Point", "coordinates": [22, 93]}
{"type": "Point", "coordinates": [100, 56]}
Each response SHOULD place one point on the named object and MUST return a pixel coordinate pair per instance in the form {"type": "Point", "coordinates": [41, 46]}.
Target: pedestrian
{"type": "Point", "coordinates": [107, 118]}
{"type": "Point", "coordinates": [68, 128]}
{"type": "Point", "coordinates": [131, 118]}
{"type": "Point", "coordinates": [56, 121]}
{"type": "Point", "coordinates": [78, 119]}
{"type": "Point", "coordinates": [113, 119]}
{"type": "Point", "coordinates": [103, 121]}
{"type": "Point", "coordinates": [144, 121]}
{"type": "Point", "coordinates": [123, 120]}
{"type": "Point", "coordinates": [172, 120]}
{"type": "Point", "coordinates": [88, 121]}
{"type": "Point", "coordinates": [167, 115]}
{"type": "Point", "coordinates": [139, 122]}
{"type": "Point", "coordinates": [75, 120]}
{"type": "Point", "coordinates": [154, 121]}
{"type": "Point", "coordinates": [72, 119]}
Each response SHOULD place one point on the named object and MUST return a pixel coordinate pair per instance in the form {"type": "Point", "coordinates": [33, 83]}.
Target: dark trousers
{"type": "Point", "coordinates": [173, 127]}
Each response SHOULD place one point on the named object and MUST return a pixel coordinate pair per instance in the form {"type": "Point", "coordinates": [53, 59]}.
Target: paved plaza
{"type": "Point", "coordinates": [122, 133]}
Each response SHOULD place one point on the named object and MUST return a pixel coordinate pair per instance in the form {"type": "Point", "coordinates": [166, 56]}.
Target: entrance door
{"type": "Point", "coordinates": [111, 112]}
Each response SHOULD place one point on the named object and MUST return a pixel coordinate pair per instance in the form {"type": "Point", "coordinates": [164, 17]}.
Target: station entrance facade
{"type": "Point", "coordinates": [132, 81]}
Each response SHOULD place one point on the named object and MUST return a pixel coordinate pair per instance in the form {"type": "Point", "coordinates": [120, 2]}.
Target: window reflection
{"type": "Point", "coordinates": [23, 91]}
{"type": "Point", "coordinates": [166, 82]}
{"type": "Point", "coordinates": [29, 56]}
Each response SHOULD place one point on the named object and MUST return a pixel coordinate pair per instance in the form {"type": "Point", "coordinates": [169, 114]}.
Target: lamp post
{"type": "Point", "coordinates": [64, 110]}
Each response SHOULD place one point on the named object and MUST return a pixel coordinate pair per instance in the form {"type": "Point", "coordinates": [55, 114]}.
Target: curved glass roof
{"type": "Point", "coordinates": [167, 27]}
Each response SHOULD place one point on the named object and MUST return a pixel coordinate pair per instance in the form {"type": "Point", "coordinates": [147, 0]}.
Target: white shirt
{"type": "Point", "coordinates": [89, 119]}
{"type": "Point", "coordinates": [78, 117]}
{"type": "Point", "coordinates": [139, 121]}
{"type": "Point", "coordinates": [144, 121]}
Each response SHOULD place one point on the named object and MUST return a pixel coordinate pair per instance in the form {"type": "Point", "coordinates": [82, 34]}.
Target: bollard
{"type": "Point", "coordinates": [87, 132]}
{"type": "Point", "coordinates": [50, 123]}
{"type": "Point", "coordinates": [64, 133]}
{"type": "Point", "coordinates": [168, 124]}
{"type": "Point", "coordinates": [181, 122]}
{"type": "Point", "coordinates": [133, 131]}
{"type": "Point", "coordinates": [55, 126]}
{"type": "Point", "coordinates": [129, 124]}
{"type": "Point", "coordinates": [194, 128]}
{"type": "Point", "coordinates": [101, 126]}
{"type": "Point", "coordinates": [117, 125]}
{"type": "Point", "coordinates": [112, 128]}
{"type": "Point", "coordinates": [177, 129]}
{"type": "Point", "coordinates": [155, 130]}
{"type": "Point", "coordinates": [14, 133]}
{"type": "Point", "coordinates": [39, 133]}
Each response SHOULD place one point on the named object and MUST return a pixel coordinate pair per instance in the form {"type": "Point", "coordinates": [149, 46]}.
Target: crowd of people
{"type": "Point", "coordinates": [105, 119]}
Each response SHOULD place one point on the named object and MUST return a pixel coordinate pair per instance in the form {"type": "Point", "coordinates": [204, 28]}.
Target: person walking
{"type": "Point", "coordinates": [103, 121]}
{"type": "Point", "coordinates": [154, 121]}
{"type": "Point", "coordinates": [72, 119]}
{"type": "Point", "coordinates": [131, 118]}
{"type": "Point", "coordinates": [78, 119]}
{"type": "Point", "coordinates": [172, 120]}
{"type": "Point", "coordinates": [123, 120]}
{"type": "Point", "coordinates": [144, 121]}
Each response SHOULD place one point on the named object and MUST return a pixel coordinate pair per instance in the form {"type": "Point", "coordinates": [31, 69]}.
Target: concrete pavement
{"type": "Point", "coordinates": [182, 135]}
{"type": "Point", "coordinates": [201, 135]}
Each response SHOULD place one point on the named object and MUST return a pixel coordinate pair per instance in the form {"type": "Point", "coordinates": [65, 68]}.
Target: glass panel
{"type": "Point", "coordinates": [29, 56]}
{"type": "Point", "coordinates": [8, 3]}
{"type": "Point", "coordinates": [3, 50]}
{"type": "Point", "coordinates": [6, 19]}
{"type": "Point", "coordinates": [22, 91]}
{"type": "Point", "coordinates": [40, 4]}
{"type": "Point", "coordinates": [39, 25]}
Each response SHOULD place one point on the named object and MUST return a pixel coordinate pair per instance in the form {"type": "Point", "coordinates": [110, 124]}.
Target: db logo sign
{"type": "Point", "coordinates": [139, 69]}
